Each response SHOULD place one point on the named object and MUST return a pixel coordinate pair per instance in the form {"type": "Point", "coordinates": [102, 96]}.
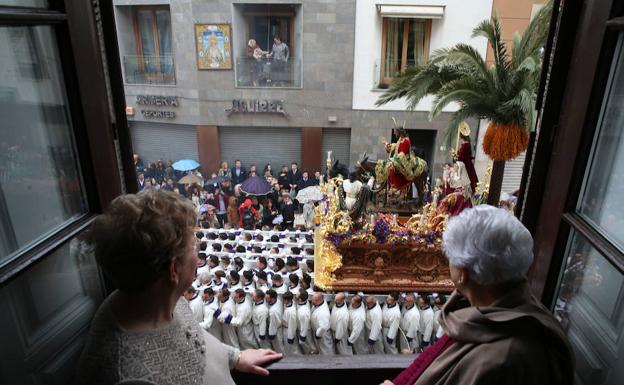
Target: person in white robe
{"type": "Point", "coordinates": [276, 337]}
{"type": "Point", "coordinates": [279, 286]}
{"type": "Point", "coordinates": [357, 319]}
{"type": "Point", "coordinates": [260, 319]}
{"type": "Point", "coordinates": [293, 267]}
{"type": "Point", "coordinates": [242, 321]}
{"type": "Point", "coordinates": [212, 326]}
{"type": "Point", "coordinates": [289, 326]}
{"type": "Point", "coordinates": [248, 283]}
{"type": "Point", "coordinates": [196, 302]}
{"type": "Point", "coordinates": [391, 317]}
{"type": "Point", "coordinates": [373, 325]}
{"type": "Point", "coordinates": [303, 324]}
{"type": "Point", "coordinates": [410, 325]}
{"type": "Point", "coordinates": [320, 325]}
{"type": "Point", "coordinates": [225, 316]}
{"type": "Point", "coordinates": [339, 323]}
{"type": "Point", "coordinates": [438, 301]}
{"type": "Point", "coordinates": [218, 281]}
{"type": "Point", "coordinates": [234, 281]}
{"type": "Point", "coordinates": [426, 321]}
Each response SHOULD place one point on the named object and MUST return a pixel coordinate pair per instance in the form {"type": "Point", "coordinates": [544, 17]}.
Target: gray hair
{"type": "Point", "coordinates": [493, 245]}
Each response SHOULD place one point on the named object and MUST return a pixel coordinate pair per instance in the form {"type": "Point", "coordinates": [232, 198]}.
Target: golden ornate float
{"type": "Point", "coordinates": [379, 253]}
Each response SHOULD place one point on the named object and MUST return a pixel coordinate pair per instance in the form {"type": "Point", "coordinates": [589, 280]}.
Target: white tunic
{"type": "Point", "coordinates": [280, 289]}
{"type": "Point", "coordinates": [373, 329]}
{"type": "Point", "coordinates": [197, 307]}
{"type": "Point", "coordinates": [289, 327]}
{"type": "Point", "coordinates": [303, 327]}
{"type": "Point", "coordinates": [339, 322]}
{"type": "Point", "coordinates": [209, 323]}
{"type": "Point", "coordinates": [391, 317]}
{"type": "Point", "coordinates": [260, 317]}
{"type": "Point", "coordinates": [320, 326]}
{"type": "Point", "coordinates": [410, 324]}
{"type": "Point", "coordinates": [357, 336]}
{"type": "Point", "coordinates": [437, 329]}
{"type": "Point", "coordinates": [226, 316]}
{"type": "Point", "coordinates": [244, 325]}
{"type": "Point", "coordinates": [249, 287]}
{"type": "Point", "coordinates": [276, 337]}
{"type": "Point", "coordinates": [426, 324]}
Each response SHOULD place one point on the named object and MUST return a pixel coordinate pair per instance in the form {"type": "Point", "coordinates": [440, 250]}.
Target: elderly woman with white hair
{"type": "Point", "coordinates": [496, 331]}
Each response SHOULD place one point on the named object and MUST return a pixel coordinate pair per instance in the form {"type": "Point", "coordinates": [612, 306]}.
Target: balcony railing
{"type": "Point", "coordinates": [268, 73]}
{"type": "Point", "coordinates": [143, 69]}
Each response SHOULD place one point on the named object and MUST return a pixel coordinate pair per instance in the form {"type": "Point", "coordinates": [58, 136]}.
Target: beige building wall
{"type": "Point", "coordinates": [514, 16]}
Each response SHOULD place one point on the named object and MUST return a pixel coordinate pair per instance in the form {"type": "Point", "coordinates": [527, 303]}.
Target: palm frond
{"type": "Point", "coordinates": [463, 91]}
{"type": "Point", "coordinates": [534, 37]}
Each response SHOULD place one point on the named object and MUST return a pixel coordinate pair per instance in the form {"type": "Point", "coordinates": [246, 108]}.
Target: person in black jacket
{"type": "Point", "coordinates": [239, 174]}
{"type": "Point", "coordinates": [294, 175]}
{"type": "Point", "coordinates": [282, 178]}
{"type": "Point", "coordinates": [268, 213]}
{"type": "Point", "coordinates": [304, 182]}
{"type": "Point", "coordinates": [287, 209]}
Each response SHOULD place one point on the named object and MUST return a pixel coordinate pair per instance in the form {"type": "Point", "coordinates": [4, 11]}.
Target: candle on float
{"type": "Point", "coordinates": [329, 156]}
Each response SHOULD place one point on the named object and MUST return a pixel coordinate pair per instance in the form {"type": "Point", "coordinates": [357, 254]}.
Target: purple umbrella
{"type": "Point", "coordinates": [256, 185]}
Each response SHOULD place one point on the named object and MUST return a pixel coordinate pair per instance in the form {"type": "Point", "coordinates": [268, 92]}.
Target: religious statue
{"type": "Point", "coordinates": [403, 167]}
{"type": "Point", "coordinates": [460, 196]}
{"type": "Point", "coordinates": [463, 153]}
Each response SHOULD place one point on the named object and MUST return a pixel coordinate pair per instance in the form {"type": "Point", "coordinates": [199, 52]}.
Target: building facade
{"type": "Point", "coordinates": [197, 87]}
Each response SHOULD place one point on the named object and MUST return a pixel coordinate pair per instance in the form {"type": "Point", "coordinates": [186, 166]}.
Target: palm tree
{"type": "Point", "coordinates": [503, 93]}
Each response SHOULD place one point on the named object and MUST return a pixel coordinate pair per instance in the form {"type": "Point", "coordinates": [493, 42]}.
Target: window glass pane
{"type": "Point", "coordinates": [47, 308]}
{"type": "Point", "coordinates": [146, 32]}
{"type": "Point", "coordinates": [164, 40]}
{"type": "Point", "coordinates": [602, 201]}
{"type": "Point", "coordinates": [25, 3]}
{"type": "Point", "coordinates": [40, 184]}
{"type": "Point", "coordinates": [416, 43]}
{"type": "Point", "coordinates": [590, 307]}
{"type": "Point", "coordinates": [394, 47]}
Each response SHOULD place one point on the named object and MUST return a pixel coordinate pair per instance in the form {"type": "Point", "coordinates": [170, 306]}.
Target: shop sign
{"type": "Point", "coordinates": [257, 106]}
{"type": "Point", "coordinates": [157, 101]}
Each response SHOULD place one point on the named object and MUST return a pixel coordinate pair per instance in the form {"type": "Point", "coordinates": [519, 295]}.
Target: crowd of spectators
{"type": "Point", "coordinates": [221, 203]}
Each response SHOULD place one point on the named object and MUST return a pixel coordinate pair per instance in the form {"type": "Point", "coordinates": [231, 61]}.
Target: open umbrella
{"type": "Point", "coordinates": [206, 207]}
{"type": "Point", "coordinates": [185, 165]}
{"type": "Point", "coordinates": [216, 180]}
{"type": "Point", "coordinates": [309, 194]}
{"type": "Point", "coordinates": [255, 185]}
{"type": "Point", "coordinates": [189, 179]}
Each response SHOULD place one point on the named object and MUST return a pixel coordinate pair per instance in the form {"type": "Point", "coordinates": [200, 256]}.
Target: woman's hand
{"type": "Point", "coordinates": [253, 360]}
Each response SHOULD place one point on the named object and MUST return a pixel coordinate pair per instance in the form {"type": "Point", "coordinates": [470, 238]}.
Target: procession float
{"type": "Point", "coordinates": [364, 243]}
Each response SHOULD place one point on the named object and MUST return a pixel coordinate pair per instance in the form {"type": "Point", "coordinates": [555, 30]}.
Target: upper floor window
{"type": "Point", "coordinates": [152, 59]}
{"type": "Point", "coordinates": [405, 42]}
{"type": "Point", "coordinates": [268, 45]}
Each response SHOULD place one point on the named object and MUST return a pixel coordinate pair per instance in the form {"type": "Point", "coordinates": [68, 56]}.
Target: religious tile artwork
{"type": "Point", "coordinates": [213, 43]}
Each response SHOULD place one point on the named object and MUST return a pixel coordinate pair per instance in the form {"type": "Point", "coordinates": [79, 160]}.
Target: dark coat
{"type": "Point", "coordinates": [293, 178]}
{"type": "Point", "coordinates": [283, 180]}
{"type": "Point", "coordinates": [238, 179]}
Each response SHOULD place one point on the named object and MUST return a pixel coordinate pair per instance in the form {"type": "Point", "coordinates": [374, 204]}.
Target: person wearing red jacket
{"type": "Point", "coordinates": [247, 214]}
{"type": "Point", "coordinates": [464, 154]}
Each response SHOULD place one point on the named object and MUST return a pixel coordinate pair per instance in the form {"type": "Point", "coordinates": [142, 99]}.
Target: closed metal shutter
{"type": "Point", "coordinates": [153, 141]}
{"type": "Point", "coordinates": [338, 141]}
{"type": "Point", "coordinates": [260, 145]}
{"type": "Point", "coordinates": [513, 174]}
